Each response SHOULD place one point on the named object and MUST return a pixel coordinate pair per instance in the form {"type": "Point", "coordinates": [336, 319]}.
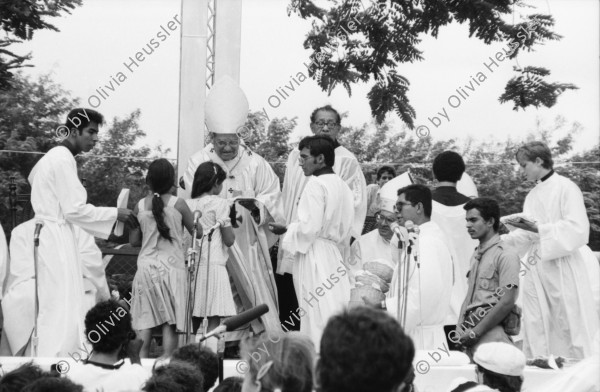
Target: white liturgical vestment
{"type": "Point", "coordinates": [429, 289]}
{"type": "Point", "coordinates": [322, 228]}
{"type": "Point", "coordinates": [59, 200]}
{"type": "Point", "coordinates": [347, 167]}
{"type": "Point", "coordinates": [451, 220]}
{"type": "Point", "coordinates": [559, 313]}
{"type": "Point", "coordinates": [249, 265]}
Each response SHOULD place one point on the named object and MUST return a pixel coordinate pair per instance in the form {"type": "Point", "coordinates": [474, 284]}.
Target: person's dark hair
{"type": "Point", "coordinates": [487, 207]}
{"type": "Point", "coordinates": [288, 366]}
{"type": "Point", "coordinates": [532, 150]}
{"type": "Point", "coordinates": [501, 382]}
{"type": "Point", "coordinates": [230, 384]}
{"type": "Point", "coordinates": [207, 175]}
{"type": "Point", "coordinates": [81, 117]}
{"type": "Point", "coordinates": [118, 335]}
{"type": "Point", "coordinates": [364, 349]}
{"type": "Point", "coordinates": [160, 179]}
{"type": "Point", "coordinates": [318, 145]}
{"type": "Point", "coordinates": [175, 377]}
{"type": "Point", "coordinates": [448, 166]}
{"type": "Point", "coordinates": [326, 108]}
{"type": "Point", "coordinates": [17, 379]}
{"type": "Point", "coordinates": [203, 358]}
{"type": "Point", "coordinates": [418, 193]}
{"type": "Point", "coordinates": [53, 384]}
{"type": "Point", "coordinates": [385, 169]}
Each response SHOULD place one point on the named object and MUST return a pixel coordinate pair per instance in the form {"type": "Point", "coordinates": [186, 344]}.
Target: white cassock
{"type": "Point", "coordinates": [428, 300]}
{"type": "Point", "coordinates": [451, 220]}
{"type": "Point", "coordinates": [322, 228]}
{"type": "Point", "coordinates": [58, 199]}
{"type": "Point", "coordinates": [20, 289]}
{"type": "Point", "coordinates": [346, 166]}
{"type": "Point", "coordinates": [249, 265]}
{"type": "Point", "coordinates": [559, 313]}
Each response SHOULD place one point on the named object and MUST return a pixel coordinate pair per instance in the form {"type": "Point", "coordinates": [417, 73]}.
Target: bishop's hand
{"type": "Point", "coordinates": [277, 228]}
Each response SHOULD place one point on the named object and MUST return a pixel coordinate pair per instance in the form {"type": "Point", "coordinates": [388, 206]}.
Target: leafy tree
{"type": "Point", "coordinates": [19, 20]}
{"type": "Point", "coordinates": [352, 43]}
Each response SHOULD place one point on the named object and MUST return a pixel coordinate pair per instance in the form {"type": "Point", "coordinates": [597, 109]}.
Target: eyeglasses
{"type": "Point", "coordinates": [330, 124]}
{"type": "Point", "coordinates": [303, 158]}
{"type": "Point", "coordinates": [399, 205]}
{"type": "Point", "coordinates": [223, 144]}
{"type": "Point", "coordinates": [385, 219]}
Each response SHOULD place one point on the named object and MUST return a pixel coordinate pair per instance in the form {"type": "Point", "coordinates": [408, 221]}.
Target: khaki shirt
{"type": "Point", "coordinates": [494, 266]}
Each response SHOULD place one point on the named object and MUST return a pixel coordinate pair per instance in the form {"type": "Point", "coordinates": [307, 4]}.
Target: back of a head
{"type": "Point", "coordinates": [17, 379]}
{"type": "Point", "coordinates": [448, 166]}
{"type": "Point", "coordinates": [175, 377]}
{"type": "Point", "coordinates": [81, 117]}
{"type": "Point", "coordinates": [53, 384]}
{"type": "Point", "coordinates": [501, 364]}
{"type": "Point", "coordinates": [288, 364]}
{"type": "Point", "coordinates": [363, 349]}
{"type": "Point", "coordinates": [230, 384]}
{"type": "Point", "coordinates": [203, 359]}
{"type": "Point", "coordinates": [117, 335]}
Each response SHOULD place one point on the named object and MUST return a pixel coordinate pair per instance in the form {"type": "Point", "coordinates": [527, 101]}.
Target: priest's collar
{"type": "Point", "coordinates": [323, 170]}
{"type": "Point", "coordinates": [68, 144]}
{"type": "Point", "coordinates": [547, 176]}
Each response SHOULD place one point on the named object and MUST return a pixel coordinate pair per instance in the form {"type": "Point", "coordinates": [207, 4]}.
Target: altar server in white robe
{"type": "Point", "coordinates": [59, 201]}
{"type": "Point", "coordinates": [448, 213]}
{"type": "Point", "coordinates": [430, 286]}
{"type": "Point", "coordinates": [322, 228]}
{"type": "Point", "coordinates": [248, 176]}
{"type": "Point", "coordinates": [559, 314]}
{"type": "Point", "coordinates": [323, 121]}
{"type": "Point", "coordinates": [20, 283]}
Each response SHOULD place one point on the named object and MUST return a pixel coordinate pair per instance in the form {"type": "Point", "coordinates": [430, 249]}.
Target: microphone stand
{"type": "Point", "coordinates": [190, 265]}
{"type": "Point", "coordinates": [36, 308]}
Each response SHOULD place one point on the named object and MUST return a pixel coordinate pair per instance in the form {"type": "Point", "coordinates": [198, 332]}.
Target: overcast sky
{"type": "Point", "coordinates": [96, 40]}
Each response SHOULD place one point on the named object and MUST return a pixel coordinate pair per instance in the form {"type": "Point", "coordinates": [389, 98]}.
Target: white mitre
{"type": "Point", "coordinates": [388, 194]}
{"type": "Point", "coordinates": [226, 107]}
{"type": "Point", "coordinates": [466, 186]}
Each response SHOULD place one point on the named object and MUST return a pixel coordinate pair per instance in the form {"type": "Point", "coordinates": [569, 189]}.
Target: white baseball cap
{"type": "Point", "coordinates": [501, 358]}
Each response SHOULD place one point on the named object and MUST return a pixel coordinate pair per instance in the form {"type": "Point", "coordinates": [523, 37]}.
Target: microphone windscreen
{"type": "Point", "coordinates": [409, 225]}
{"type": "Point", "coordinates": [237, 321]}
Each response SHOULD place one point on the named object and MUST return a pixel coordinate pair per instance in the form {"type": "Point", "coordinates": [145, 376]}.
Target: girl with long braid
{"type": "Point", "coordinates": [208, 183]}
{"type": "Point", "coordinates": [159, 293]}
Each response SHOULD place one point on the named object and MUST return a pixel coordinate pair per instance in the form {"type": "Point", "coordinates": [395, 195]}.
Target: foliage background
{"type": "Point", "coordinates": [31, 111]}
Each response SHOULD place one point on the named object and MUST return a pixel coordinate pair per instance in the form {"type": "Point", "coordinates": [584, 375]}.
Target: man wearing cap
{"type": "Point", "coordinates": [248, 176]}
{"type": "Point", "coordinates": [500, 366]}
{"type": "Point", "coordinates": [493, 280]}
{"type": "Point", "coordinates": [323, 121]}
{"type": "Point", "coordinates": [429, 273]}
{"type": "Point", "coordinates": [448, 213]}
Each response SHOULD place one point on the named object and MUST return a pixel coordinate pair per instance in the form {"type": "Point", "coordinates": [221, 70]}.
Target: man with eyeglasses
{"type": "Point", "coordinates": [429, 272]}
{"type": "Point", "coordinates": [248, 176]}
{"type": "Point", "coordinates": [324, 121]}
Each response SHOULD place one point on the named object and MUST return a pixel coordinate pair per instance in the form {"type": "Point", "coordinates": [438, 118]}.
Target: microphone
{"type": "Point", "coordinates": [400, 231]}
{"type": "Point", "coordinates": [197, 216]}
{"type": "Point", "coordinates": [233, 323]}
{"type": "Point", "coordinates": [36, 234]}
{"type": "Point", "coordinates": [215, 227]}
{"type": "Point", "coordinates": [413, 236]}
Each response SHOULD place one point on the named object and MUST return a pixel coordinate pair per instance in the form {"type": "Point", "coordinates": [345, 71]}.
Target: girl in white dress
{"type": "Point", "coordinates": [208, 183]}
{"type": "Point", "coordinates": [159, 286]}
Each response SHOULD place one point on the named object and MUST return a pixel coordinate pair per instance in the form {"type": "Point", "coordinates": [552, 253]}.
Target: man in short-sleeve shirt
{"type": "Point", "coordinates": [493, 279]}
